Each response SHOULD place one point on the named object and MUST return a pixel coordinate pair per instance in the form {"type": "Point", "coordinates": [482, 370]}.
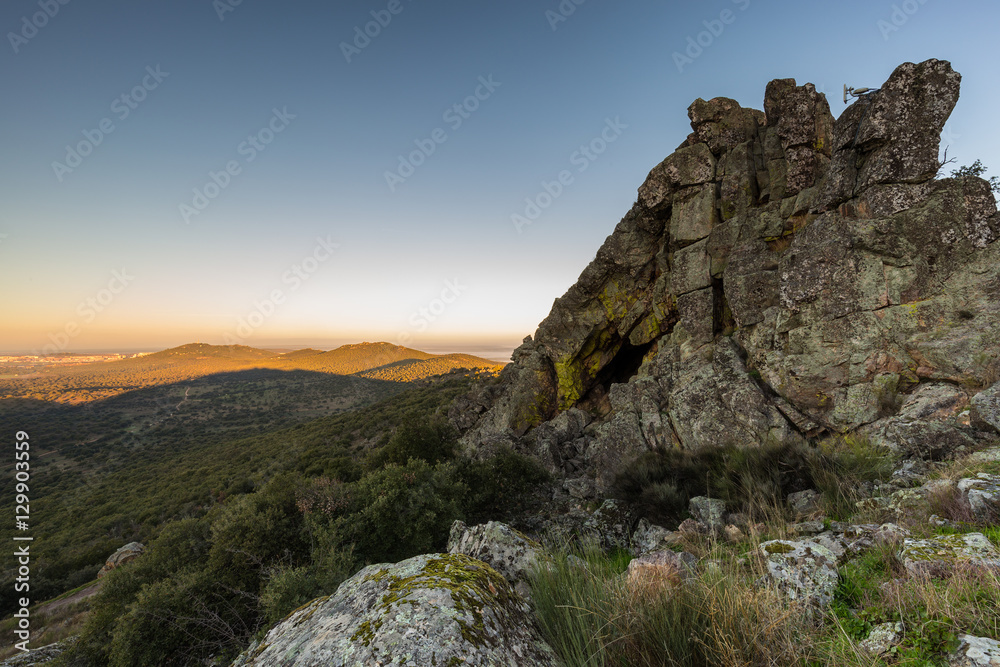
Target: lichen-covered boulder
{"type": "Point", "coordinates": [986, 408]}
{"type": "Point", "coordinates": [983, 494]}
{"type": "Point", "coordinates": [610, 526]}
{"type": "Point", "coordinates": [709, 511]}
{"type": "Point", "coordinates": [805, 571]}
{"type": "Point", "coordinates": [510, 552]}
{"type": "Point", "coordinates": [650, 537]}
{"type": "Point", "coordinates": [882, 638]}
{"type": "Point", "coordinates": [804, 503]}
{"type": "Point", "coordinates": [435, 609]}
{"type": "Point", "coordinates": [39, 656]}
{"type": "Point", "coordinates": [975, 652]}
{"type": "Point", "coordinates": [986, 456]}
{"type": "Point", "coordinates": [939, 556]}
{"type": "Point", "coordinates": [126, 554]}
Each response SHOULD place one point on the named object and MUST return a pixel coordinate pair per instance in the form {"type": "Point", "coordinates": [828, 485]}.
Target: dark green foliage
{"type": "Point", "coordinates": [502, 487]}
{"type": "Point", "coordinates": [181, 548]}
{"type": "Point", "coordinates": [82, 516]}
{"type": "Point", "coordinates": [752, 480]}
{"type": "Point", "coordinates": [277, 538]}
{"type": "Point", "coordinates": [399, 511]}
{"type": "Point", "coordinates": [977, 170]}
{"type": "Point", "coordinates": [432, 441]}
{"type": "Point", "coordinates": [660, 484]}
{"type": "Point", "coordinates": [255, 530]}
{"type": "Point", "coordinates": [289, 587]}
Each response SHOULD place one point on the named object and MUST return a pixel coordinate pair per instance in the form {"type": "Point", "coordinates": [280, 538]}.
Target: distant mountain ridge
{"type": "Point", "coordinates": [381, 361]}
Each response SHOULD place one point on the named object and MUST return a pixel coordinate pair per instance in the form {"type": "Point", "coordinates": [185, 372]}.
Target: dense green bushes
{"type": "Point", "coordinates": [80, 516]}
{"type": "Point", "coordinates": [208, 584]}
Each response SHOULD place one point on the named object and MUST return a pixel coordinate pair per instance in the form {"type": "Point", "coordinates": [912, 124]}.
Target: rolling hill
{"type": "Point", "coordinates": [90, 382]}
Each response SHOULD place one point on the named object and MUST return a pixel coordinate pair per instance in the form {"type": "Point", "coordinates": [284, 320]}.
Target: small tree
{"type": "Point", "coordinates": [977, 170]}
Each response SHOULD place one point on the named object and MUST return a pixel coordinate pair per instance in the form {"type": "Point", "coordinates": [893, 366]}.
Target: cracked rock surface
{"type": "Point", "coordinates": [782, 274]}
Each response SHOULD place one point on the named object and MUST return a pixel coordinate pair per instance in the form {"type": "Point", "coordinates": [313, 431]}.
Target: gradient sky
{"type": "Point", "coordinates": [445, 233]}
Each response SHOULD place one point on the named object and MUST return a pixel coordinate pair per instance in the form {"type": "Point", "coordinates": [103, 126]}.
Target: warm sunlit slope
{"type": "Point", "coordinates": [88, 382]}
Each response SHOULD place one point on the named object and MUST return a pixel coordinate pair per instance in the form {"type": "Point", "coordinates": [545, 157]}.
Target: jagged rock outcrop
{"type": "Point", "coordinates": [435, 609]}
{"type": "Point", "coordinates": [781, 275]}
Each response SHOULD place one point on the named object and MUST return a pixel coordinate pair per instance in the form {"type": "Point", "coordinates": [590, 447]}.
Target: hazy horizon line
{"type": "Point", "coordinates": [492, 351]}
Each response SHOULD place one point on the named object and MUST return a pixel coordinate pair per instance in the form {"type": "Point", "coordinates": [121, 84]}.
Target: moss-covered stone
{"type": "Point", "coordinates": [442, 609]}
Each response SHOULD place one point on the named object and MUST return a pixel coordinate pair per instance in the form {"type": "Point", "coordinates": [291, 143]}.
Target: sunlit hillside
{"type": "Point", "coordinates": [88, 382]}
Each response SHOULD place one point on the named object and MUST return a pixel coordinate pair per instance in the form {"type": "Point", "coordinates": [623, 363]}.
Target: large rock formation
{"type": "Point", "coordinates": [781, 275]}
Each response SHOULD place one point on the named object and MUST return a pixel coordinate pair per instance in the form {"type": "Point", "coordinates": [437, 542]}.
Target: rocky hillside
{"type": "Point", "coordinates": [781, 275]}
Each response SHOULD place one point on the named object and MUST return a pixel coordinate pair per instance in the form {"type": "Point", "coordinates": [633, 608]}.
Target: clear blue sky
{"type": "Point", "coordinates": [433, 261]}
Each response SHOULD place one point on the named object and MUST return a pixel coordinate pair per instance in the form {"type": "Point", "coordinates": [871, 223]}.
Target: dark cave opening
{"type": "Point", "coordinates": [625, 364]}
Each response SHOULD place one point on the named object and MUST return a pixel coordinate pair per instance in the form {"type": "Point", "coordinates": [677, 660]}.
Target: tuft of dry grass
{"type": "Point", "coordinates": [593, 616]}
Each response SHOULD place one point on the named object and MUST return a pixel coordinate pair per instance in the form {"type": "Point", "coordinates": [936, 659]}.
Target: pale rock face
{"type": "Point", "coordinates": [882, 638]}
{"type": "Point", "coordinates": [650, 537]}
{"type": "Point", "coordinates": [806, 571]}
{"type": "Point", "coordinates": [432, 609]}
{"type": "Point", "coordinates": [511, 553]}
{"type": "Point", "coordinates": [804, 503]}
{"type": "Point", "coordinates": [986, 408]}
{"type": "Point", "coordinates": [940, 555]}
{"type": "Point", "coordinates": [975, 652]}
{"type": "Point", "coordinates": [662, 567]}
{"type": "Point", "coordinates": [126, 554]}
{"type": "Point", "coordinates": [709, 511]}
{"type": "Point", "coordinates": [610, 525]}
{"type": "Point", "coordinates": [983, 494]}
{"type": "Point", "coordinates": [782, 274]}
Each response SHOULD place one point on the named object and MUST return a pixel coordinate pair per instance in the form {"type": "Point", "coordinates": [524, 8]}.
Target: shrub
{"type": "Point", "coordinates": [753, 480]}
{"type": "Point", "coordinates": [977, 170]}
{"type": "Point", "coordinates": [255, 530]}
{"type": "Point", "coordinates": [430, 439]}
{"type": "Point", "coordinates": [287, 587]}
{"type": "Point", "coordinates": [502, 487]}
{"type": "Point", "coordinates": [397, 512]}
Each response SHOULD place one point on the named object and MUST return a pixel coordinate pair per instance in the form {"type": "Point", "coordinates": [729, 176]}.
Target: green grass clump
{"type": "Point", "coordinates": [594, 616]}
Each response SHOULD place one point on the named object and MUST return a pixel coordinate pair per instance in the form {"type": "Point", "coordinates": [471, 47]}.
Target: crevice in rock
{"type": "Point", "coordinates": [625, 364]}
